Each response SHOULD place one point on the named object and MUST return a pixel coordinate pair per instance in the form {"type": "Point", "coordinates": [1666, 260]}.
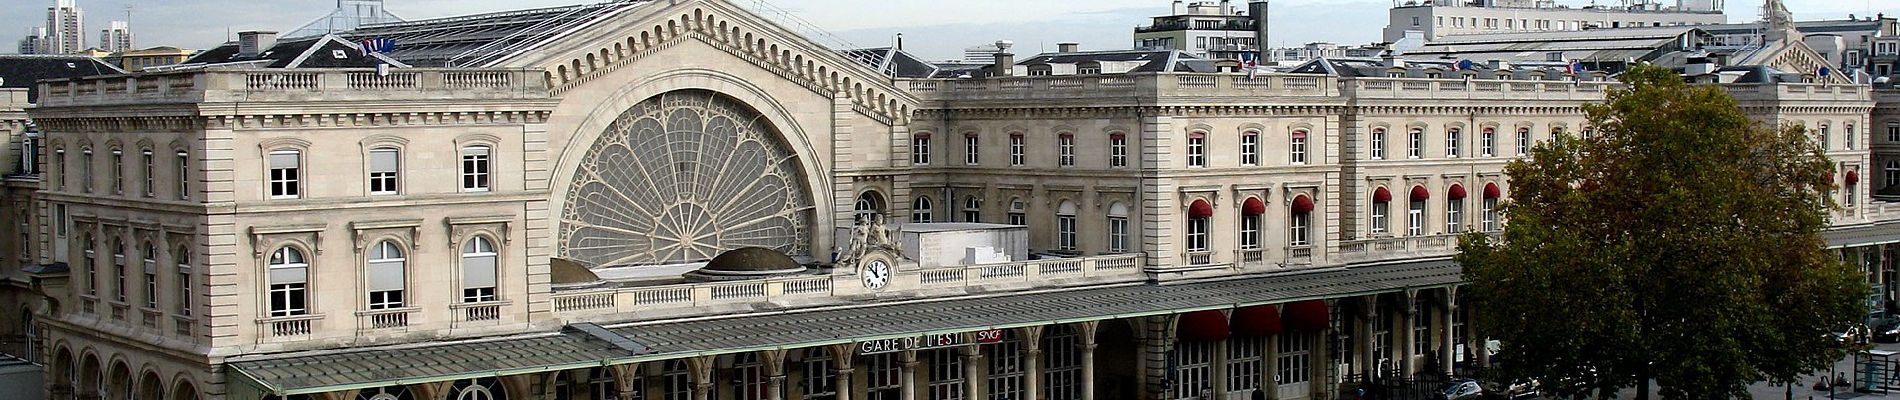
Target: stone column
{"type": "Point", "coordinates": [1370, 322]}
{"type": "Point", "coordinates": [1032, 360]}
{"type": "Point", "coordinates": [774, 361]}
{"type": "Point", "coordinates": [841, 358]}
{"type": "Point", "coordinates": [1407, 328]}
{"type": "Point", "coordinates": [907, 381]}
{"type": "Point", "coordinates": [1450, 305]}
{"type": "Point", "coordinates": [1157, 341]}
{"type": "Point", "coordinates": [973, 371]}
{"type": "Point", "coordinates": [702, 369]}
{"type": "Point", "coordinates": [1270, 367]}
{"type": "Point", "coordinates": [1087, 332]}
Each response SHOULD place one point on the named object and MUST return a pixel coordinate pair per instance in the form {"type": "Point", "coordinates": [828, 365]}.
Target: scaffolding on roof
{"type": "Point", "coordinates": [481, 39]}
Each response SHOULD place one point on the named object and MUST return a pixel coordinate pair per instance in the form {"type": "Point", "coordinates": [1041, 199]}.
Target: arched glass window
{"type": "Point", "coordinates": [479, 271]}
{"type": "Point", "coordinates": [289, 287]}
{"type": "Point", "coordinates": [972, 209]}
{"type": "Point", "coordinates": [478, 389]}
{"type": "Point", "coordinates": [1065, 226]}
{"type": "Point", "coordinates": [387, 268]}
{"type": "Point", "coordinates": [870, 206]}
{"type": "Point", "coordinates": [920, 210]}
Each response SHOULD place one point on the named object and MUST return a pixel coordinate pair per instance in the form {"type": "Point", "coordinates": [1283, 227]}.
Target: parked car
{"type": "Point", "coordinates": [1511, 391]}
{"type": "Point", "coordinates": [1461, 389]}
{"type": "Point", "coordinates": [1887, 330]}
{"type": "Point", "coordinates": [1852, 335]}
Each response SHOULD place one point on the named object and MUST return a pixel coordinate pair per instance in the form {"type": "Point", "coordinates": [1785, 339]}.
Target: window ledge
{"type": "Point", "coordinates": [458, 306]}
{"type": "Point", "coordinates": [305, 317]}
{"type": "Point", "coordinates": [403, 310]}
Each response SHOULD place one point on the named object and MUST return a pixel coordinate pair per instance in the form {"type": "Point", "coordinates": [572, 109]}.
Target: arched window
{"type": "Point", "coordinates": [478, 389]}
{"type": "Point", "coordinates": [1300, 222]}
{"type": "Point", "coordinates": [387, 268]}
{"type": "Point", "coordinates": [182, 257]}
{"type": "Point", "coordinates": [385, 171]}
{"type": "Point", "coordinates": [1415, 217]}
{"type": "Point", "coordinates": [59, 169]}
{"type": "Point", "coordinates": [1491, 195]}
{"type": "Point", "coordinates": [1378, 143]}
{"type": "Point", "coordinates": [870, 207]}
{"type": "Point", "coordinates": [150, 266]}
{"type": "Point", "coordinates": [1250, 148]}
{"type": "Point", "coordinates": [1455, 209]}
{"type": "Point", "coordinates": [289, 284]}
{"type": "Point", "coordinates": [920, 210]}
{"type": "Point", "coordinates": [32, 331]}
{"type": "Point", "coordinates": [1251, 213]}
{"type": "Point", "coordinates": [972, 209]}
{"type": "Point", "coordinates": [1198, 214]}
{"type": "Point", "coordinates": [1380, 210]}
{"type": "Point", "coordinates": [601, 385]}
{"type": "Point", "coordinates": [1118, 228]}
{"type": "Point", "coordinates": [676, 384]}
{"type": "Point", "coordinates": [1065, 226]}
{"type": "Point", "coordinates": [1018, 212]}
{"type": "Point", "coordinates": [475, 168]}
{"type": "Point", "coordinates": [479, 271]}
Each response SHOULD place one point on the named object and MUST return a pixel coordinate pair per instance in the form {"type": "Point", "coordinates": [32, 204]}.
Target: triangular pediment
{"type": "Point", "coordinates": [599, 47]}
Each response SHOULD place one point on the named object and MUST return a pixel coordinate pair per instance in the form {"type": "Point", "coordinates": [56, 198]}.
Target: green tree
{"type": "Point", "coordinates": [1680, 244]}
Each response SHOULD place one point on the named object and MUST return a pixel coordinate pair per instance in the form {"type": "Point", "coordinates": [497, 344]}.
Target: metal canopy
{"type": "Point", "coordinates": [407, 364]}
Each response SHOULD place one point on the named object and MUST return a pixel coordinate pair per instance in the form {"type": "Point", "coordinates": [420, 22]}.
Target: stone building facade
{"type": "Point", "coordinates": [519, 227]}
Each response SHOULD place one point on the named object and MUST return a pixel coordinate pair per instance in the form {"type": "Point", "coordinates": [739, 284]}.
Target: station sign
{"type": "Point", "coordinates": [927, 342]}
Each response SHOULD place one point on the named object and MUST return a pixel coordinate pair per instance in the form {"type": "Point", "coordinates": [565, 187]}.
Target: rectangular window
{"type": "Point", "coordinates": [151, 283]}
{"type": "Point", "coordinates": [920, 150]}
{"type": "Point", "coordinates": [1452, 138]}
{"type": "Point", "coordinates": [1490, 144]}
{"type": "Point", "coordinates": [1422, 327]}
{"type": "Point", "coordinates": [1379, 211]}
{"type": "Point", "coordinates": [59, 169]}
{"type": "Point", "coordinates": [1250, 149]}
{"type": "Point", "coordinates": [118, 171]}
{"type": "Point", "coordinates": [1197, 235]}
{"type": "Point", "coordinates": [476, 168]}
{"type": "Point", "coordinates": [1853, 138]}
{"type": "Point", "coordinates": [1454, 216]}
{"type": "Point", "coordinates": [1415, 146]}
{"type": "Point", "coordinates": [821, 380]}
{"type": "Point", "coordinates": [284, 174]}
{"type": "Point", "coordinates": [1006, 368]}
{"type": "Point", "coordinates": [384, 166]}
{"type": "Point", "coordinates": [1295, 359]}
{"type": "Point", "coordinates": [1244, 357]}
{"type": "Point", "coordinates": [946, 374]}
{"type": "Point", "coordinates": [1016, 151]}
{"type": "Point", "coordinates": [1415, 219]}
{"type": "Point", "coordinates": [1298, 148]}
{"type": "Point", "coordinates": [1018, 218]}
{"type": "Point", "coordinates": [1523, 142]}
{"type": "Point", "coordinates": [478, 275]}
{"type": "Point", "coordinates": [1250, 232]}
{"type": "Point", "coordinates": [1065, 146]}
{"type": "Point", "coordinates": [1298, 230]}
{"type": "Point", "coordinates": [1117, 151]}
{"type": "Point", "coordinates": [1378, 144]}
{"type": "Point", "coordinates": [1893, 132]}
{"type": "Point", "coordinates": [970, 150]}
{"type": "Point", "coordinates": [150, 172]}
{"type": "Point", "coordinates": [1197, 150]}
{"type": "Point", "coordinates": [118, 273]}
{"type": "Point", "coordinates": [1117, 235]}
{"type": "Point", "coordinates": [184, 175]}
{"type": "Point", "coordinates": [184, 289]}
{"type": "Point", "coordinates": [1192, 376]}
{"type": "Point", "coordinates": [1065, 229]}
{"type": "Point", "coordinates": [1490, 215]}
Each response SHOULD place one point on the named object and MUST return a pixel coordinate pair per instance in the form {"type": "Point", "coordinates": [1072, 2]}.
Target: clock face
{"type": "Point", "coordinates": [876, 274]}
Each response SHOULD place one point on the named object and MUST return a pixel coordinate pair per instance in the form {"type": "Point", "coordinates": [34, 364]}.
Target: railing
{"type": "Point", "coordinates": [477, 80]}
{"type": "Point", "coordinates": [296, 85]}
{"type": "Point", "coordinates": [384, 319]}
{"type": "Point", "coordinates": [119, 311]}
{"type": "Point", "coordinates": [372, 80]}
{"type": "Point", "coordinates": [281, 81]}
{"type": "Point", "coordinates": [471, 312]}
{"type": "Point", "coordinates": [149, 318]}
{"type": "Point", "coordinates": [182, 325]}
{"type": "Point", "coordinates": [1200, 258]}
{"type": "Point", "coordinates": [1299, 255]}
{"type": "Point", "coordinates": [89, 304]}
{"type": "Point", "coordinates": [1397, 248]}
{"type": "Point", "coordinates": [299, 325]}
{"type": "Point", "coordinates": [1461, 89]}
{"type": "Point", "coordinates": [817, 289]}
{"type": "Point", "coordinates": [1251, 257]}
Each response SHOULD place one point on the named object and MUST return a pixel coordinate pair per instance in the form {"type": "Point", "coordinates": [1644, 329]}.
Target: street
{"type": "Point", "coordinates": [1806, 389]}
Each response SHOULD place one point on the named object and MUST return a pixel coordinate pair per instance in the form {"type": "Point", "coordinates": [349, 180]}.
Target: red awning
{"type": "Point", "coordinates": [1310, 315]}
{"type": "Point", "coordinates": [1382, 195]}
{"type": "Point", "coordinates": [1015, 134]}
{"type": "Point", "coordinates": [1457, 192]}
{"type": "Point", "coordinates": [1302, 204]}
{"type": "Point", "coordinates": [1257, 321]}
{"type": "Point", "coordinates": [1203, 326]}
{"type": "Point", "coordinates": [1197, 135]}
{"type": "Point", "coordinates": [1253, 207]}
{"type": "Point", "coordinates": [1853, 178]}
{"type": "Point", "coordinates": [1299, 134]}
{"type": "Point", "coordinates": [969, 134]}
{"type": "Point", "coordinates": [1117, 136]}
{"type": "Point", "coordinates": [1200, 209]}
{"type": "Point", "coordinates": [1491, 191]}
{"type": "Point", "coordinates": [1420, 194]}
{"type": "Point", "coordinates": [1066, 135]}
{"type": "Point", "coordinates": [925, 135]}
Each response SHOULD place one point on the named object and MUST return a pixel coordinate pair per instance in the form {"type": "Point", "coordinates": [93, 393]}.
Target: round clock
{"type": "Point", "coordinates": [876, 274]}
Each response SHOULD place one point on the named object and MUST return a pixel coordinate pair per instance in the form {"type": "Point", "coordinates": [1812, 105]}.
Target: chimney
{"type": "Point", "coordinates": [1068, 47]}
{"type": "Point", "coordinates": [1259, 10]}
{"type": "Point", "coordinates": [900, 41]}
{"type": "Point", "coordinates": [252, 43]}
{"type": "Point", "coordinates": [1180, 8]}
{"type": "Point", "coordinates": [1005, 61]}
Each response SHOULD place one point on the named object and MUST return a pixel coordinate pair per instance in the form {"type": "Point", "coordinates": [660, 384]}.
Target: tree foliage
{"type": "Point", "coordinates": [1680, 244]}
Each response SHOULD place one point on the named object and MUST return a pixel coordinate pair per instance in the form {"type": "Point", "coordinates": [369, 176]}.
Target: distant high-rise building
{"type": "Point", "coordinates": [349, 15]}
{"type": "Point", "coordinates": [32, 42]}
{"type": "Point", "coordinates": [1436, 19]}
{"type": "Point", "coordinates": [1208, 29]}
{"type": "Point", "coordinates": [65, 29]}
{"type": "Point", "coordinates": [983, 54]}
{"type": "Point", "coordinates": [116, 38]}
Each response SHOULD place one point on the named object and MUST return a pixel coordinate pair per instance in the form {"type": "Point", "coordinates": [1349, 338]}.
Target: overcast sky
{"type": "Point", "coordinates": [934, 29]}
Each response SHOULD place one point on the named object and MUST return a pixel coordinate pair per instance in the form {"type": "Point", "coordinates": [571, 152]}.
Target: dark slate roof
{"type": "Point", "coordinates": [23, 71]}
{"type": "Point", "coordinates": [895, 63]}
{"type": "Point", "coordinates": [290, 374]}
{"type": "Point", "coordinates": [316, 52]}
{"type": "Point", "coordinates": [1887, 232]}
{"type": "Point", "coordinates": [477, 40]}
